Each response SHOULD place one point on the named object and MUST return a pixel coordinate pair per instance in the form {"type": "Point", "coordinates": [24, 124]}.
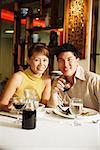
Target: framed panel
{"type": "Point", "coordinates": [75, 21]}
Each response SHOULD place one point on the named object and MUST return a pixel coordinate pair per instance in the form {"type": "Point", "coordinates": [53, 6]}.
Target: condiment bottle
{"type": "Point", "coordinates": [29, 116]}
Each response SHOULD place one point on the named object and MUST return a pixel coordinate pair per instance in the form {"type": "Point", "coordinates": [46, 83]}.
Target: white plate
{"type": "Point", "coordinates": [86, 113]}
{"type": "Point", "coordinates": [41, 107]}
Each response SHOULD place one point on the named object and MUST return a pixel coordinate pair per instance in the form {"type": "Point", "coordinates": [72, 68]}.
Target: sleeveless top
{"type": "Point", "coordinates": [31, 81]}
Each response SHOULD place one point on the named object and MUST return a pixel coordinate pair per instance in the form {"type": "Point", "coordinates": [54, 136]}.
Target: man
{"type": "Point", "coordinates": [75, 81]}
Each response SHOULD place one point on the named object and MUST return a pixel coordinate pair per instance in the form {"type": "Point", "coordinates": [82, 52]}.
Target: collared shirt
{"type": "Point", "coordinates": [86, 87]}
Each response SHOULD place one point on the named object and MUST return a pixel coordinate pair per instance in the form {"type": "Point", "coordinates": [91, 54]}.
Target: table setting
{"type": "Point", "coordinates": [52, 131]}
{"type": "Point", "coordinates": [88, 115]}
{"type": "Point", "coordinates": [72, 127]}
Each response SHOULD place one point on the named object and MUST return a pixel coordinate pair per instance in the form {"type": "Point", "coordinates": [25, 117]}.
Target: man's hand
{"type": "Point", "coordinates": [61, 84]}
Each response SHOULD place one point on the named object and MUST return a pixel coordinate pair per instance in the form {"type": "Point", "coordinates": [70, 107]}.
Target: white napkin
{"type": "Point", "coordinates": [90, 119]}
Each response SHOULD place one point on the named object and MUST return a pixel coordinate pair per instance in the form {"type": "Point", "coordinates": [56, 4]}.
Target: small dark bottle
{"type": "Point", "coordinates": [29, 117]}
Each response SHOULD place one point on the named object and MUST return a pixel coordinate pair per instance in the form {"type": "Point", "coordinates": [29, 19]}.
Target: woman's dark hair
{"type": "Point", "coordinates": [40, 48]}
{"type": "Point", "coordinates": [67, 47]}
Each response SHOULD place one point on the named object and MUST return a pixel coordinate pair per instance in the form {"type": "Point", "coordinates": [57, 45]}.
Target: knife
{"type": "Point", "coordinates": [6, 115]}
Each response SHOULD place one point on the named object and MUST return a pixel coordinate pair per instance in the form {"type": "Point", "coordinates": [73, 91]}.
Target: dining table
{"type": "Point", "coordinates": [52, 132]}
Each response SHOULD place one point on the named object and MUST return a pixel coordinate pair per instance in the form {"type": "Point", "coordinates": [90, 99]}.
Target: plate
{"type": "Point", "coordinates": [86, 113]}
{"type": "Point", "coordinates": [13, 113]}
{"type": "Point", "coordinates": [41, 107]}
{"type": "Point", "coordinates": [89, 112]}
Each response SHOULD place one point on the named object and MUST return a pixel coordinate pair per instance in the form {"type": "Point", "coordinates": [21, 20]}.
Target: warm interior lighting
{"type": "Point", "coordinates": [23, 21]}
{"type": "Point", "coordinates": [9, 31]}
{"type": "Point", "coordinates": [77, 7]}
{"type": "Point", "coordinates": [9, 16]}
{"type": "Point", "coordinates": [37, 19]}
{"type": "Point", "coordinates": [39, 23]}
{"type": "Point", "coordinates": [60, 29]}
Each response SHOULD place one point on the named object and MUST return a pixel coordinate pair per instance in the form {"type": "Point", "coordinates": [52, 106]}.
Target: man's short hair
{"type": "Point", "coordinates": [67, 47]}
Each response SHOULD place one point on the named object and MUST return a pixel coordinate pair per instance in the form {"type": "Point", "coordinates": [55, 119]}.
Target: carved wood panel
{"type": "Point", "coordinates": [75, 24]}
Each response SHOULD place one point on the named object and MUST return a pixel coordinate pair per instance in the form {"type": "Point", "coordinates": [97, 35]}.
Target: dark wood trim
{"type": "Point", "coordinates": [17, 33]}
{"type": "Point", "coordinates": [94, 36]}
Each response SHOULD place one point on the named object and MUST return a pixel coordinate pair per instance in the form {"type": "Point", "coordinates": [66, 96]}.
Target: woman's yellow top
{"type": "Point", "coordinates": [31, 81]}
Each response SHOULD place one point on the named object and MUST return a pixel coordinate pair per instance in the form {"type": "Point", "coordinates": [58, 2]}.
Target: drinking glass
{"type": "Point", "coordinates": [18, 103]}
{"type": "Point", "coordinates": [31, 96]}
{"type": "Point", "coordinates": [76, 107]}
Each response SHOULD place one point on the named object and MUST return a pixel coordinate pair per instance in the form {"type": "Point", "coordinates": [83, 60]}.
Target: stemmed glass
{"type": "Point", "coordinates": [76, 107]}
{"type": "Point", "coordinates": [18, 103]}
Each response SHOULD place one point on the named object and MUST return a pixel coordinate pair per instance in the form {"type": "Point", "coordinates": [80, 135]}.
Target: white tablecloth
{"type": "Point", "coordinates": [51, 133]}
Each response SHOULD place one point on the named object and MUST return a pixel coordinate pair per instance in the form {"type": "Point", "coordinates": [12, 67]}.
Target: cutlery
{"type": "Point", "coordinates": [6, 115]}
{"type": "Point", "coordinates": [49, 111]}
{"type": "Point", "coordinates": [95, 121]}
{"type": "Point", "coordinates": [67, 111]}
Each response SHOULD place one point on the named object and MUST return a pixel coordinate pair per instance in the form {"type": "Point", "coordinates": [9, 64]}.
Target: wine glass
{"type": "Point", "coordinates": [63, 90]}
{"type": "Point", "coordinates": [18, 103]}
{"type": "Point", "coordinates": [76, 107]}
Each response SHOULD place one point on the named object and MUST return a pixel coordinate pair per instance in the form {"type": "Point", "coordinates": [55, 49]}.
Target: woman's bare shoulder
{"type": "Point", "coordinates": [16, 78]}
{"type": "Point", "coordinates": [18, 75]}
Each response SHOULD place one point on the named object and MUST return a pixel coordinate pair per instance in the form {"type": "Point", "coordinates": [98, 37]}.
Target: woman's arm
{"type": "Point", "coordinates": [9, 90]}
{"type": "Point", "coordinates": [47, 91]}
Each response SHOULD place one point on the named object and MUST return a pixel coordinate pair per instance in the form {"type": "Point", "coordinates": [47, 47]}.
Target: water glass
{"type": "Point", "coordinates": [76, 107]}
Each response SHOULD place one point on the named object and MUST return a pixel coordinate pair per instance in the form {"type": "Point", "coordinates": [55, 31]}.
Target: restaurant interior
{"type": "Point", "coordinates": [52, 22]}
{"type": "Point", "coordinates": [27, 123]}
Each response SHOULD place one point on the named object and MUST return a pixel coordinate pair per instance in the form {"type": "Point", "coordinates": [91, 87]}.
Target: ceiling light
{"type": "Point", "coordinates": [9, 31]}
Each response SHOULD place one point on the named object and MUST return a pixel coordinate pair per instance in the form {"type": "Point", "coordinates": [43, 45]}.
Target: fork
{"type": "Point", "coordinates": [65, 111]}
{"type": "Point", "coordinates": [95, 121]}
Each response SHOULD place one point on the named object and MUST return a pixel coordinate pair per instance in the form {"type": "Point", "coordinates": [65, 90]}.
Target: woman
{"type": "Point", "coordinates": [33, 77]}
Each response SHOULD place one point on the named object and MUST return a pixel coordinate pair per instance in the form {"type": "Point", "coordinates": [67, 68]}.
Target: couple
{"type": "Point", "coordinates": [78, 82]}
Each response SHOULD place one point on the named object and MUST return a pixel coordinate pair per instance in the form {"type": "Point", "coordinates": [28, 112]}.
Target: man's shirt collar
{"type": "Point", "coordinates": [80, 73]}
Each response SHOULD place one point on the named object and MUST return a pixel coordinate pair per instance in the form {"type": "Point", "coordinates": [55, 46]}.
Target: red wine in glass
{"type": "Point", "coordinates": [18, 105]}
